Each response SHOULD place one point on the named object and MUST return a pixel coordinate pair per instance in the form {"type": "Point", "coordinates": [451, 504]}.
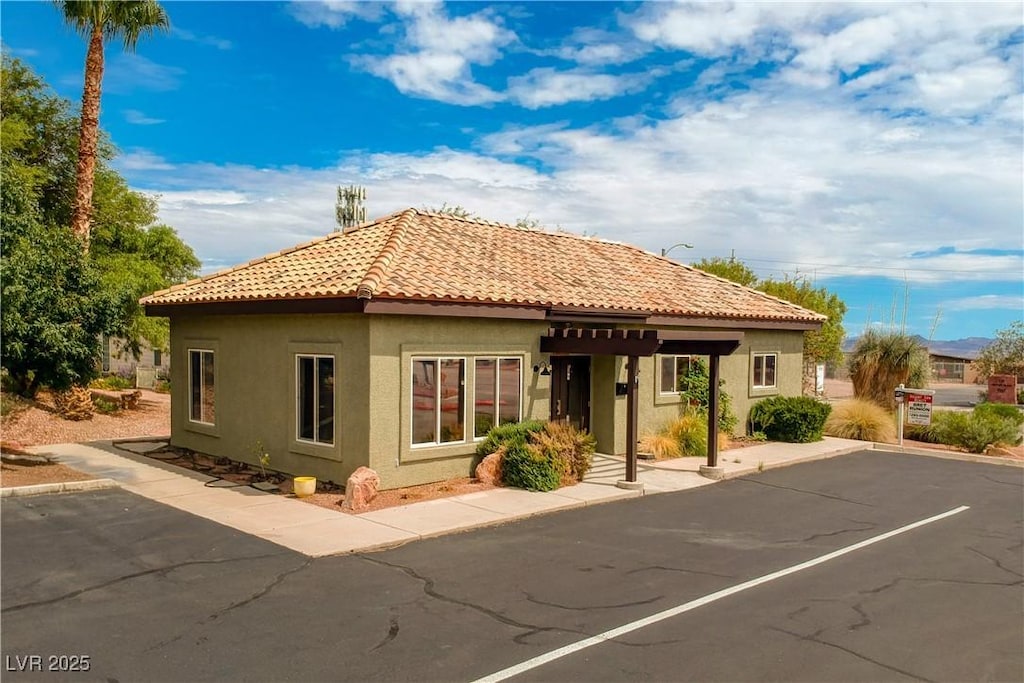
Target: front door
{"type": "Point", "coordinates": [570, 390]}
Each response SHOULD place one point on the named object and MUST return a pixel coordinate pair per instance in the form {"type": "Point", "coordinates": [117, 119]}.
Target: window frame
{"type": "Point", "coordinates": [191, 389]}
{"type": "Point", "coordinates": [315, 441]}
{"type": "Point", "coordinates": [497, 390]}
{"type": "Point", "coordinates": [675, 372]}
{"type": "Point", "coordinates": [438, 399]}
{"type": "Point", "coordinates": [753, 371]}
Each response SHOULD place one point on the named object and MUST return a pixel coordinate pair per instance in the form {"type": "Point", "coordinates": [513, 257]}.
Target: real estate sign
{"type": "Point", "coordinates": [919, 407]}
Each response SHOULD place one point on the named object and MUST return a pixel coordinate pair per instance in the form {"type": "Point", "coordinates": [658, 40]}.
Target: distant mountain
{"type": "Point", "coordinates": [959, 348]}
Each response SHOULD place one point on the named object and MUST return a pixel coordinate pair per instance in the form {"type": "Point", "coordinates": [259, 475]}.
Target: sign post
{"type": "Point", "coordinates": [918, 404]}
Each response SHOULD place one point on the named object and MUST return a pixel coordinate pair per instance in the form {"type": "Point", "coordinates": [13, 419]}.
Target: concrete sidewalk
{"type": "Point", "coordinates": [317, 531]}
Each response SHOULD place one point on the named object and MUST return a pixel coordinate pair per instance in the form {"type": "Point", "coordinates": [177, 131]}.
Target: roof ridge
{"type": "Point", "coordinates": [733, 283]}
{"type": "Point", "coordinates": [378, 269]}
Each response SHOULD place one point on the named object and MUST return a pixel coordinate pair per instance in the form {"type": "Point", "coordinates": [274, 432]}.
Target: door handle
{"type": "Point", "coordinates": [558, 407]}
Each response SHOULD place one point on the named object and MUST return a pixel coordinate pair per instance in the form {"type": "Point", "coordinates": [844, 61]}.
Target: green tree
{"type": "Point", "coordinates": [820, 346]}
{"type": "Point", "coordinates": [99, 21]}
{"type": "Point", "coordinates": [728, 268]}
{"type": "Point", "coordinates": [1005, 355]}
{"type": "Point", "coordinates": [131, 255]}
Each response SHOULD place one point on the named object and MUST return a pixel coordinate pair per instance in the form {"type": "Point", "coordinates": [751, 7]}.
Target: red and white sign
{"type": "Point", "coordinates": [919, 407]}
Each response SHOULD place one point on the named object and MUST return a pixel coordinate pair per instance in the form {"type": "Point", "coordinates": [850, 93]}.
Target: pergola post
{"type": "Point", "coordinates": [631, 418]}
{"type": "Point", "coordinates": [713, 410]}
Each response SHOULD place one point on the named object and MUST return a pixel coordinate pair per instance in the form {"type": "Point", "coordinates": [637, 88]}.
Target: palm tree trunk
{"type": "Point", "coordinates": [88, 138]}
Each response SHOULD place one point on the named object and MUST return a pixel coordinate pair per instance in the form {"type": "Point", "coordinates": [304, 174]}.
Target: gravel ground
{"type": "Point", "coordinates": [38, 425]}
{"type": "Point", "coordinates": [18, 474]}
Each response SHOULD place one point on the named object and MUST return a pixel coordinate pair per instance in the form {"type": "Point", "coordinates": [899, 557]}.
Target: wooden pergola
{"type": "Point", "coordinates": [636, 343]}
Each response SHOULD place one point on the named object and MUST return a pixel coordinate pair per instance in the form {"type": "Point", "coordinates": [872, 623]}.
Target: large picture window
{"type": "Point", "coordinates": [438, 400]}
{"type": "Point", "coordinates": [201, 386]}
{"type": "Point", "coordinates": [498, 388]}
{"type": "Point", "coordinates": [674, 370]}
{"type": "Point", "coordinates": [764, 370]}
{"type": "Point", "coordinates": [314, 383]}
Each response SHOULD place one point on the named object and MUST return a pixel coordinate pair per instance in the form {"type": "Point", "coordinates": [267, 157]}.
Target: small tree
{"type": "Point", "coordinates": [728, 268]}
{"type": "Point", "coordinates": [456, 210]}
{"type": "Point", "coordinates": [881, 361]}
{"type": "Point", "coordinates": [1005, 355]}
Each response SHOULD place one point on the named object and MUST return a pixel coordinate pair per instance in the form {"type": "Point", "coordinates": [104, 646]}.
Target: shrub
{"type": "Point", "coordinates": [974, 431]}
{"type": "Point", "coordinates": [509, 433]}
{"type": "Point", "coordinates": [569, 448]}
{"type": "Point", "coordinates": [527, 468]}
{"type": "Point", "coordinates": [695, 387]}
{"type": "Point", "coordinates": [795, 419]}
{"type": "Point", "coordinates": [105, 406]}
{"type": "Point", "coordinates": [113, 383]}
{"type": "Point", "coordinates": [661, 446]}
{"type": "Point", "coordinates": [860, 419]}
{"type": "Point", "coordinates": [690, 431]}
{"type": "Point", "coordinates": [881, 361]}
{"type": "Point", "coordinates": [1001, 410]}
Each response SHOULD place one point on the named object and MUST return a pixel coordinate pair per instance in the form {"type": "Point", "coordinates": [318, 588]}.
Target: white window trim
{"type": "Point", "coordinates": [497, 389]}
{"type": "Point", "coordinates": [437, 399]}
{"type": "Point", "coordinates": [753, 370]}
{"type": "Point", "coordinates": [316, 403]}
{"type": "Point", "coordinates": [201, 387]}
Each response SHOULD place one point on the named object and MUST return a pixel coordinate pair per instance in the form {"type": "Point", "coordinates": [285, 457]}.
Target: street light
{"type": "Point", "coordinates": [664, 252]}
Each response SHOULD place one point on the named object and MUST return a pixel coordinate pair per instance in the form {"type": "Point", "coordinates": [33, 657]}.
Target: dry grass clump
{"type": "Point", "coordinates": [861, 419]}
{"type": "Point", "coordinates": [685, 435]}
{"type": "Point", "coordinates": [661, 446]}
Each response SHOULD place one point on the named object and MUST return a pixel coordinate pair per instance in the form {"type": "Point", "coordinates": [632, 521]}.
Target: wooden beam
{"type": "Point", "coordinates": [713, 392]}
{"type": "Point", "coordinates": [631, 417]}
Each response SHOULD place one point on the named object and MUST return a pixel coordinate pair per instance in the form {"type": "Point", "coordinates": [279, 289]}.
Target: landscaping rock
{"type": "Point", "coordinates": [360, 489]}
{"type": "Point", "coordinates": [489, 470]}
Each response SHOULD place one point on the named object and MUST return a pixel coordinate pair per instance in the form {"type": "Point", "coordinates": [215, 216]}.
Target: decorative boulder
{"type": "Point", "coordinates": [360, 489]}
{"type": "Point", "coordinates": [489, 469]}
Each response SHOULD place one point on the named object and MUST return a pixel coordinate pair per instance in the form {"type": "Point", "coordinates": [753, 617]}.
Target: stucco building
{"type": "Point", "coordinates": [398, 343]}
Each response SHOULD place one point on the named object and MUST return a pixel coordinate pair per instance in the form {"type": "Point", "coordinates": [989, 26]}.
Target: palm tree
{"type": "Point", "coordinates": [99, 21]}
{"type": "Point", "coordinates": [881, 361]}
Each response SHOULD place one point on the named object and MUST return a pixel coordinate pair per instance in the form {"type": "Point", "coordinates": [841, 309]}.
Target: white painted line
{"type": "Point", "coordinates": [700, 602]}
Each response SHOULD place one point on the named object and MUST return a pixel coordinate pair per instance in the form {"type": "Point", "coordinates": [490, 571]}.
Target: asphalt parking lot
{"type": "Point", "coordinates": [737, 581]}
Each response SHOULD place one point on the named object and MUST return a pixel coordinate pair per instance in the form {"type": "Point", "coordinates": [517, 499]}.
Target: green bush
{"type": "Point", "coordinates": [525, 467]}
{"type": "Point", "coordinates": [509, 433]}
{"type": "Point", "coordinates": [795, 419]}
{"type": "Point", "coordinates": [974, 431]}
{"type": "Point", "coordinates": [112, 383]}
{"type": "Point", "coordinates": [104, 406]}
{"type": "Point", "coordinates": [695, 387]}
{"type": "Point", "coordinates": [570, 449]}
{"type": "Point", "coordinates": [1001, 410]}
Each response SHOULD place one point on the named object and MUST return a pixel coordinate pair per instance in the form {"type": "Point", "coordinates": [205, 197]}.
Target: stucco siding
{"type": "Point", "coordinates": [394, 342]}
{"type": "Point", "coordinates": [255, 390]}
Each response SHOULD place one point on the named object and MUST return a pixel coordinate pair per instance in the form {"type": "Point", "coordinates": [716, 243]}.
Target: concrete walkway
{"type": "Point", "coordinates": [317, 531]}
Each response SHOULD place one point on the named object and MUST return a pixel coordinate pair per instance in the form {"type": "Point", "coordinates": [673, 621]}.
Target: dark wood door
{"type": "Point", "coordinates": [570, 390]}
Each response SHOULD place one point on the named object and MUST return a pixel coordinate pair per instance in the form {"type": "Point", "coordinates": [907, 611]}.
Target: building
{"type": "Point", "coordinates": [398, 343]}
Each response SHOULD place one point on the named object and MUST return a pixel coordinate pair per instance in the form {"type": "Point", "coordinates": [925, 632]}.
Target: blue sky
{"type": "Point", "coordinates": [876, 148]}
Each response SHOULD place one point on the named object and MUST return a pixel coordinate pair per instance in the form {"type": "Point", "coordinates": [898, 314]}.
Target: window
{"type": "Point", "coordinates": [438, 400]}
{"type": "Point", "coordinates": [498, 384]}
{"type": "Point", "coordinates": [674, 369]}
{"type": "Point", "coordinates": [314, 404]}
{"type": "Point", "coordinates": [200, 386]}
{"type": "Point", "coordinates": [764, 370]}
{"type": "Point", "coordinates": [157, 357]}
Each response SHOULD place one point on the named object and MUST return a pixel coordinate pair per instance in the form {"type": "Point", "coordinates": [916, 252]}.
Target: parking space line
{"type": "Point", "coordinates": [540, 660]}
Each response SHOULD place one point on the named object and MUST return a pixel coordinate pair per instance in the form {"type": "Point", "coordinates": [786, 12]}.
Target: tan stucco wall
{"type": "Point", "coordinates": [654, 409]}
{"type": "Point", "coordinates": [254, 370]}
{"type": "Point", "coordinates": [394, 340]}
{"type": "Point", "coordinates": [255, 386]}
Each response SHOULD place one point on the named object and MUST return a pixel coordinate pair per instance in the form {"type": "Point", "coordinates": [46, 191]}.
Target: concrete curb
{"type": "Point", "coordinates": [949, 455]}
{"type": "Point", "coordinates": [58, 487]}
{"type": "Point", "coordinates": [742, 472]}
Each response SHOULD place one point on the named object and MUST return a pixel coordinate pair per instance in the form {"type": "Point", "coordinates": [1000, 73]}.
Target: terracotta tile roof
{"type": "Point", "coordinates": [421, 256]}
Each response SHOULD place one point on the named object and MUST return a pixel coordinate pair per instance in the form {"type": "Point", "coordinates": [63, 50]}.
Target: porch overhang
{"type": "Point", "coordinates": [636, 343]}
{"type": "Point", "coordinates": [612, 342]}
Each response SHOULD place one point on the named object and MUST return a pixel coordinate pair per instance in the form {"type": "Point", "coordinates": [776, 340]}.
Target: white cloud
{"type": "Point", "coordinates": [136, 117]}
{"type": "Point", "coordinates": [985, 302]}
{"type": "Point", "coordinates": [127, 72]}
{"type": "Point", "coordinates": [142, 160]}
{"type": "Point", "coordinates": [547, 87]}
{"type": "Point", "coordinates": [436, 56]}
{"type": "Point", "coordinates": [334, 14]}
{"type": "Point", "coordinates": [192, 37]}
